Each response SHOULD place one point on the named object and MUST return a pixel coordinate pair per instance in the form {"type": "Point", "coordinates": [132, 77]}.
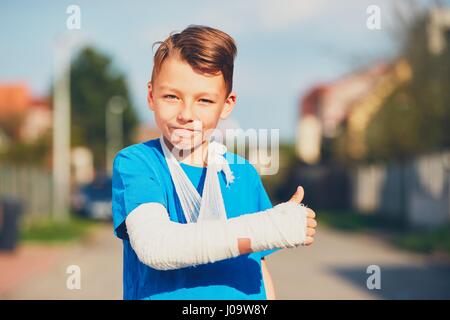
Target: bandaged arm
{"type": "Point", "coordinates": [166, 245]}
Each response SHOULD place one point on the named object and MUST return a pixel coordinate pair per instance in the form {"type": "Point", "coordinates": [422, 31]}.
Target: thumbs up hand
{"type": "Point", "coordinates": [311, 216]}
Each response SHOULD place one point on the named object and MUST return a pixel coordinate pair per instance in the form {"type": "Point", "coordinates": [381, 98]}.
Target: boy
{"type": "Point", "coordinates": [171, 251]}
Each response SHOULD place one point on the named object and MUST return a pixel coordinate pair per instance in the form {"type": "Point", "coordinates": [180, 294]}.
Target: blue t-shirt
{"type": "Point", "coordinates": [141, 175]}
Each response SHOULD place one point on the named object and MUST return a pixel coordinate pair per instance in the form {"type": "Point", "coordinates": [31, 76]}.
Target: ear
{"type": "Point", "coordinates": [150, 99]}
{"type": "Point", "coordinates": [228, 106]}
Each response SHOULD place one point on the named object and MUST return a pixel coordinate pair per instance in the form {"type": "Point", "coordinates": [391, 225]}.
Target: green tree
{"type": "Point", "coordinates": [94, 80]}
{"type": "Point", "coordinates": [35, 152]}
{"type": "Point", "coordinates": [415, 118]}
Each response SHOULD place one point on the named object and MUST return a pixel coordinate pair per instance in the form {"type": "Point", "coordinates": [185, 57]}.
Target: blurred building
{"type": "Point", "coordinates": [37, 120]}
{"type": "Point", "coordinates": [82, 161]}
{"type": "Point", "coordinates": [353, 99]}
{"type": "Point", "coordinates": [438, 29]}
{"type": "Point", "coordinates": [23, 116]}
{"type": "Point", "coordinates": [14, 99]}
{"type": "Point", "coordinates": [26, 118]}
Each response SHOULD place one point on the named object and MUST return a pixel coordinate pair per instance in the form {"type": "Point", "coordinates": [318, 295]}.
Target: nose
{"type": "Point", "coordinates": [186, 114]}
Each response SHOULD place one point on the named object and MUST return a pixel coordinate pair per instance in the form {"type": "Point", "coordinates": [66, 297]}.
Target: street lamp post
{"type": "Point", "coordinates": [61, 131]}
{"type": "Point", "coordinates": [114, 128]}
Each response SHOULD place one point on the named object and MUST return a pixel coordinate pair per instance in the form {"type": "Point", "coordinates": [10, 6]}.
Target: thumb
{"type": "Point", "coordinates": [298, 195]}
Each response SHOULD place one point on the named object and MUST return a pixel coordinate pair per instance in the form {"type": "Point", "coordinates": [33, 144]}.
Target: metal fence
{"type": "Point", "coordinates": [417, 191]}
{"type": "Point", "coordinates": [30, 185]}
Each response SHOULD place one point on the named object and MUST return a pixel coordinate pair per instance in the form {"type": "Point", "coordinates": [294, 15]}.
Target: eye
{"type": "Point", "coordinates": [206, 101]}
{"type": "Point", "coordinates": [170, 97]}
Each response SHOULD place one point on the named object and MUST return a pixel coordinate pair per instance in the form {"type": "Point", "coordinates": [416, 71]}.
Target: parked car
{"type": "Point", "coordinates": [94, 199]}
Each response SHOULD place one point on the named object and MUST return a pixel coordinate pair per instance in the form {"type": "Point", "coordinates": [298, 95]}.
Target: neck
{"type": "Point", "coordinates": [194, 157]}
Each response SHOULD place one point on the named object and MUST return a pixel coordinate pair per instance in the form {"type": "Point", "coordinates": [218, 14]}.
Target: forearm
{"type": "Point", "coordinates": [165, 245]}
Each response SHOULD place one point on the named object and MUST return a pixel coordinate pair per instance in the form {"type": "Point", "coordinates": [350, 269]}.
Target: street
{"type": "Point", "coordinates": [334, 267]}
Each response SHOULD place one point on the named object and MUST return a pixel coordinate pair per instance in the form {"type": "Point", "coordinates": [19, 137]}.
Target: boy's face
{"type": "Point", "coordinates": [186, 103]}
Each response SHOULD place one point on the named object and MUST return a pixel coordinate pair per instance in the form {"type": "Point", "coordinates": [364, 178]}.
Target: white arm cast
{"type": "Point", "coordinates": [165, 245]}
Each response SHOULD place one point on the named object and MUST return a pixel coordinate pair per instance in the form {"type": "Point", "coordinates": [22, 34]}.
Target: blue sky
{"type": "Point", "coordinates": [284, 46]}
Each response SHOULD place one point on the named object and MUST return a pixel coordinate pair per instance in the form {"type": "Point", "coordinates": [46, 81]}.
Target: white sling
{"type": "Point", "coordinates": [210, 205]}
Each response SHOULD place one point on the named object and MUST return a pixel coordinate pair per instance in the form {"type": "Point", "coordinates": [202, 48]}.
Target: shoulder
{"type": "Point", "coordinates": [139, 149]}
{"type": "Point", "coordinates": [142, 150]}
{"type": "Point", "coordinates": [137, 157]}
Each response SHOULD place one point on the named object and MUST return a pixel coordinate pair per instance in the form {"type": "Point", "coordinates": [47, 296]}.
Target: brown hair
{"type": "Point", "coordinates": [205, 49]}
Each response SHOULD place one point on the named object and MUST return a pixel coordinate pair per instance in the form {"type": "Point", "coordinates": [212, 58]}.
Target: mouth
{"type": "Point", "coordinates": [184, 132]}
{"type": "Point", "coordinates": [181, 128]}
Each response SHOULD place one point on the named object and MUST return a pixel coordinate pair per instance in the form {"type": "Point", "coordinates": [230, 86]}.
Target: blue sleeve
{"type": "Point", "coordinates": [264, 203]}
{"type": "Point", "coordinates": [134, 182]}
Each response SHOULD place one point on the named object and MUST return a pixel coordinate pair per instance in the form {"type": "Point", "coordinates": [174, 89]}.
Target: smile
{"type": "Point", "coordinates": [183, 132]}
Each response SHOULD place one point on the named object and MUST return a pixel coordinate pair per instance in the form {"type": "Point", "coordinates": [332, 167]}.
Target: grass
{"type": "Point", "coordinates": [50, 231]}
{"type": "Point", "coordinates": [417, 240]}
{"type": "Point", "coordinates": [354, 222]}
{"type": "Point", "coordinates": [426, 241]}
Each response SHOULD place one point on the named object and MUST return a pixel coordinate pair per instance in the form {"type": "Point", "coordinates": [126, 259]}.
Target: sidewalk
{"type": "Point", "coordinates": [41, 271]}
{"type": "Point", "coordinates": [25, 263]}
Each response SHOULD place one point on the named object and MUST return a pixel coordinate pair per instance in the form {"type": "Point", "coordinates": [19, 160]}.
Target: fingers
{"type": "Point", "coordinates": [311, 223]}
{"type": "Point", "coordinates": [310, 213]}
{"type": "Point", "coordinates": [310, 232]}
{"type": "Point", "coordinates": [298, 195]}
{"type": "Point", "coordinates": [309, 240]}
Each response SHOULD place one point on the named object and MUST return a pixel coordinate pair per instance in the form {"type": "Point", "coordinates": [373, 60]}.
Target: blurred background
{"type": "Point", "coordinates": [359, 91]}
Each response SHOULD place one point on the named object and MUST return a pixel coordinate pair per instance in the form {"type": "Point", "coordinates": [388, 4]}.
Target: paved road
{"type": "Point", "coordinates": [333, 268]}
{"type": "Point", "coordinates": [99, 258]}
